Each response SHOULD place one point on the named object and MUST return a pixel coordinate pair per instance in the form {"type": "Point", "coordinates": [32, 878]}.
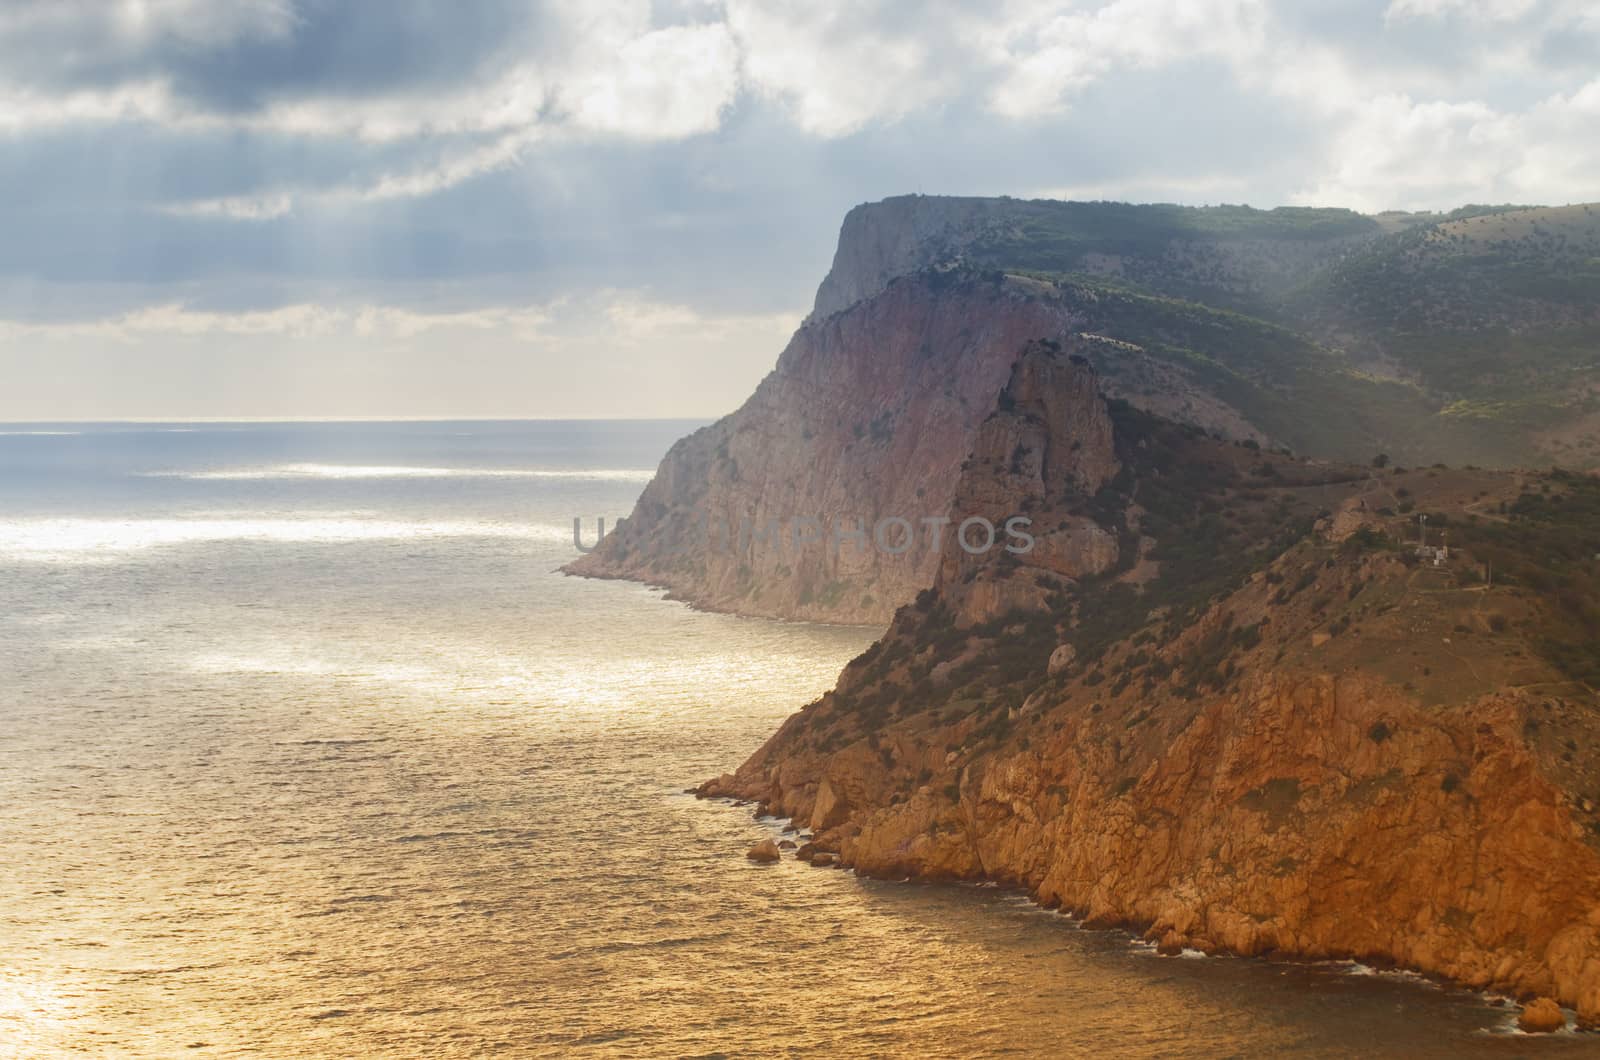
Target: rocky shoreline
{"type": "Point", "coordinates": [1528, 1013]}
{"type": "Point", "coordinates": [1293, 742]}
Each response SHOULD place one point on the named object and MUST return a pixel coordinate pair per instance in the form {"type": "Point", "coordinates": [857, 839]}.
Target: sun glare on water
{"type": "Point", "coordinates": [92, 540]}
{"type": "Point", "coordinates": [33, 1015]}
{"type": "Point", "coordinates": [377, 471]}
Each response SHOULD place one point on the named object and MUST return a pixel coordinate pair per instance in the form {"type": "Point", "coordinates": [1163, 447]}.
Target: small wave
{"type": "Point", "coordinates": [40, 434]}
{"type": "Point", "coordinates": [1395, 974]}
{"type": "Point", "coordinates": [603, 1037]}
{"type": "Point", "coordinates": [427, 837]}
{"type": "Point", "coordinates": [1507, 1028]}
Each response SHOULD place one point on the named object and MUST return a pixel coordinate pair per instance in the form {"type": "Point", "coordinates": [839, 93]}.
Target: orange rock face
{"type": "Point", "coordinates": [1252, 800]}
{"type": "Point", "coordinates": [1273, 823]}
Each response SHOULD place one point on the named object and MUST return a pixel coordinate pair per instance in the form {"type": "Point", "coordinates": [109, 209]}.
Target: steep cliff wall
{"type": "Point", "coordinates": [880, 241]}
{"type": "Point", "coordinates": [867, 416]}
{"type": "Point", "coordinates": [871, 411]}
{"type": "Point", "coordinates": [875, 402]}
{"type": "Point", "coordinates": [1254, 724]}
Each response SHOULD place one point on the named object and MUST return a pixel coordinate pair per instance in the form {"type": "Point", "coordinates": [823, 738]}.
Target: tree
{"type": "Point", "coordinates": [1381, 460]}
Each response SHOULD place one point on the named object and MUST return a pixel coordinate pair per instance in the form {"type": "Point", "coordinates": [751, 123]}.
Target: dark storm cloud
{"type": "Point", "coordinates": [239, 56]}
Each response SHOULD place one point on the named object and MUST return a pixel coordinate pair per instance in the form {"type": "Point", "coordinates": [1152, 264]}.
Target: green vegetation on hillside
{"type": "Point", "coordinates": [1215, 512]}
{"type": "Point", "coordinates": [1550, 543]}
{"type": "Point", "coordinates": [1505, 271]}
{"type": "Point", "coordinates": [1053, 234]}
{"type": "Point", "coordinates": [1323, 326]}
{"type": "Point", "coordinates": [1305, 395]}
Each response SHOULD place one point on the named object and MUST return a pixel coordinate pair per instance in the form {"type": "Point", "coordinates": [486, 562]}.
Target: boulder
{"type": "Point", "coordinates": [719, 788]}
{"type": "Point", "coordinates": [1541, 1016]}
{"type": "Point", "coordinates": [766, 850]}
{"type": "Point", "coordinates": [1061, 658]}
{"type": "Point", "coordinates": [806, 851]}
{"type": "Point", "coordinates": [786, 844]}
{"type": "Point", "coordinates": [822, 859]}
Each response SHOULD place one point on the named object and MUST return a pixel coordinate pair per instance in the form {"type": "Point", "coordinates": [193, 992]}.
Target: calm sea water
{"type": "Point", "coordinates": [305, 750]}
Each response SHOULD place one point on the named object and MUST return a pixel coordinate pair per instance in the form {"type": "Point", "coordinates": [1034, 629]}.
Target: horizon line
{"type": "Point", "coordinates": [364, 419]}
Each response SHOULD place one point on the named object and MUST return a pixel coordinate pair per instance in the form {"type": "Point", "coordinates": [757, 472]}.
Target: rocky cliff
{"type": "Point", "coordinates": [1232, 706]}
{"type": "Point", "coordinates": [1426, 338]}
{"type": "Point", "coordinates": [881, 241]}
{"type": "Point", "coordinates": [867, 416]}
{"type": "Point", "coordinates": [1231, 255]}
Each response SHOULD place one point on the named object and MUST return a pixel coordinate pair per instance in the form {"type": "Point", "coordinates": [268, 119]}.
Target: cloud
{"type": "Point", "coordinates": [609, 353]}
{"type": "Point", "coordinates": [667, 84]}
{"type": "Point", "coordinates": [235, 207]}
{"type": "Point", "coordinates": [1480, 10]}
{"type": "Point", "coordinates": [1047, 59]}
{"type": "Point", "coordinates": [429, 176]}
{"type": "Point", "coordinates": [466, 92]}
{"type": "Point", "coordinates": [1400, 152]}
{"type": "Point", "coordinates": [176, 320]}
{"type": "Point", "coordinates": [837, 67]}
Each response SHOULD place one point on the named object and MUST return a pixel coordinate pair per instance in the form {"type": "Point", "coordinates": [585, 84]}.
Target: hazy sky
{"type": "Point", "coordinates": [215, 208]}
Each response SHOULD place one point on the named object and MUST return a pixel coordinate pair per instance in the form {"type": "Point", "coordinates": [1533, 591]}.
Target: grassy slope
{"type": "Point", "coordinates": [1492, 314]}
{"type": "Point", "coordinates": [1309, 397]}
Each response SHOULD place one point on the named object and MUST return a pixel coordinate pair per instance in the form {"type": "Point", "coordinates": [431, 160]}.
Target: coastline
{"type": "Point", "coordinates": [1485, 885]}
{"type": "Point", "coordinates": [1140, 937]}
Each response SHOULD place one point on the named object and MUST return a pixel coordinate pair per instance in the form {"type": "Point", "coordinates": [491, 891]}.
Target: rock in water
{"type": "Point", "coordinates": [822, 860]}
{"type": "Point", "coordinates": [786, 844]}
{"type": "Point", "coordinates": [1541, 1016]}
{"type": "Point", "coordinates": [766, 850]}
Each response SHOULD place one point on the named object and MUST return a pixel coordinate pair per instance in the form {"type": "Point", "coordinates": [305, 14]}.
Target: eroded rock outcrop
{"type": "Point", "coordinates": [1541, 1016]}
{"type": "Point", "coordinates": [1414, 789]}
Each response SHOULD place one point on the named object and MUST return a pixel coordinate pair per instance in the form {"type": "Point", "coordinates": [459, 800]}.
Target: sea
{"type": "Point", "coordinates": [307, 749]}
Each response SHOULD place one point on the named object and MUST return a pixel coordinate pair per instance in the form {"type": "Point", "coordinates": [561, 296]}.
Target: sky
{"type": "Point", "coordinates": [587, 208]}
